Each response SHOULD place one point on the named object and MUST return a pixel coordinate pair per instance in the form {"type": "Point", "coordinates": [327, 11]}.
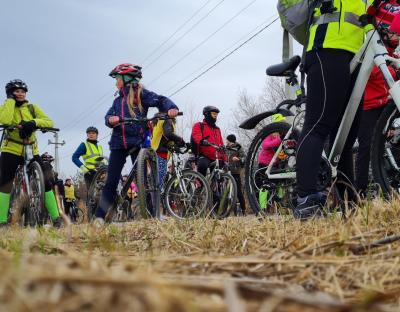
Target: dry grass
{"type": "Point", "coordinates": [238, 264]}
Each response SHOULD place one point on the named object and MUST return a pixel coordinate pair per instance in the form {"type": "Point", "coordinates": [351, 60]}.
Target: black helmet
{"type": "Point", "coordinates": [16, 84]}
{"type": "Point", "coordinates": [209, 109]}
{"type": "Point", "coordinates": [92, 129]}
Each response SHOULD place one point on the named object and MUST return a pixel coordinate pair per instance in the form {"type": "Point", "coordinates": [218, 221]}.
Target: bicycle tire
{"type": "Point", "coordinates": [220, 210]}
{"type": "Point", "coordinates": [35, 214]}
{"type": "Point", "coordinates": [18, 200]}
{"type": "Point", "coordinates": [148, 184]}
{"type": "Point", "coordinates": [249, 185]}
{"type": "Point", "coordinates": [381, 167]}
{"type": "Point", "coordinates": [94, 192]}
{"type": "Point", "coordinates": [171, 203]}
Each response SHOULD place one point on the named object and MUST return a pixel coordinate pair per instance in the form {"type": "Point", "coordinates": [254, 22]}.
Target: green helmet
{"type": "Point", "coordinates": [278, 118]}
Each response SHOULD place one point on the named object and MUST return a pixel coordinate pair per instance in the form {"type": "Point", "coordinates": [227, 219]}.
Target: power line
{"type": "Point", "coordinates": [222, 59]}
{"type": "Point", "coordinates": [181, 37]}
{"type": "Point", "coordinates": [202, 42]}
{"type": "Point", "coordinates": [217, 56]}
{"type": "Point", "coordinates": [175, 32]}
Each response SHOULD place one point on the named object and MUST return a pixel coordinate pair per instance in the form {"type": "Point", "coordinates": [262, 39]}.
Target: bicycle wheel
{"type": "Point", "coordinates": [147, 184]}
{"type": "Point", "coordinates": [94, 192]}
{"type": "Point", "coordinates": [224, 192]}
{"type": "Point", "coordinates": [188, 196]}
{"type": "Point", "coordinates": [35, 214]}
{"type": "Point", "coordinates": [256, 180]}
{"type": "Point", "coordinates": [385, 150]}
{"type": "Point", "coordinates": [19, 200]}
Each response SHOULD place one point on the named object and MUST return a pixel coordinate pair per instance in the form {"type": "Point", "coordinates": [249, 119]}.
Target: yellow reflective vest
{"type": "Point", "coordinates": [69, 193]}
{"type": "Point", "coordinates": [340, 29]}
{"type": "Point", "coordinates": [92, 152]}
{"type": "Point", "coordinates": [10, 114]}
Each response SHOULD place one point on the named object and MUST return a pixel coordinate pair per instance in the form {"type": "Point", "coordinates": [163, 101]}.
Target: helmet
{"type": "Point", "coordinates": [92, 129]}
{"type": "Point", "coordinates": [384, 20]}
{"type": "Point", "coordinates": [127, 69]}
{"type": "Point", "coordinates": [278, 118]}
{"type": "Point", "coordinates": [47, 157]}
{"type": "Point", "coordinates": [209, 109]}
{"type": "Point", "coordinates": [16, 84]}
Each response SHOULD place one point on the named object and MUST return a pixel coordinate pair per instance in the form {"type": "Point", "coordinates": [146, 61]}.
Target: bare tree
{"type": "Point", "coordinates": [248, 106]}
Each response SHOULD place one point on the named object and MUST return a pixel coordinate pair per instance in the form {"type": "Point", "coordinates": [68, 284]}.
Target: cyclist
{"type": "Point", "coordinates": [17, 110]}
{"type": "Point", "coordinates": [89, 151]}
{"type": "Point", "coordinates": [335, 35]}
{"type": "Point", "coordinates": [236, 159]}
{"type": "Point", "coordinates": [375, 98]}
{"type": "Point", "coordinates": [206, 132]}
{"type": "Point", "coordinates": [163, 136]}
{"type": "Point", "coordinates": [69, 197]}
{"type": "Point", "coordinates": [133, 101]}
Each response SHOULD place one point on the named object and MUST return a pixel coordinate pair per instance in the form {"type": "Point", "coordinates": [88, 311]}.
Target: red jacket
{"type": "Point", "coordinates": [377, 92]}
{"type": "Point", "coordinates": [212, 135]}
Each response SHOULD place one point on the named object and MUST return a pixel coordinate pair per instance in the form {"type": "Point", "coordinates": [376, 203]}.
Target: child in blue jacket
{"type": "Point", "coordinates": [133, 101]}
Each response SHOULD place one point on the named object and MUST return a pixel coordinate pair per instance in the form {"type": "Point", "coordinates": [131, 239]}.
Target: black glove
{"type": "Point", "coordinates": [204, 142]}
{"type": "Point", "coordinates": [27, 128]}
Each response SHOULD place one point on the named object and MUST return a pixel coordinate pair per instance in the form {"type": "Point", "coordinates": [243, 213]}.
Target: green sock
{"type": "Point", "coordinates": [51, 205]}
{"type": "Point", "coordinates": [4, 206]}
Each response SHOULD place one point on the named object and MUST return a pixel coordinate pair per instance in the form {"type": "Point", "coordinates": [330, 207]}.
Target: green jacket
{"type": "Point", "coordinates": [10, 114]}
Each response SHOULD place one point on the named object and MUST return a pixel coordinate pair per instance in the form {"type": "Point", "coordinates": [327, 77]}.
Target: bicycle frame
{"type": "Point", "coordinates": [373, 52]}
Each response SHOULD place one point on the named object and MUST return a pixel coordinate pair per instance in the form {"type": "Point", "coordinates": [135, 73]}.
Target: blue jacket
{"type": "Point", "coordinates": [128, 136]}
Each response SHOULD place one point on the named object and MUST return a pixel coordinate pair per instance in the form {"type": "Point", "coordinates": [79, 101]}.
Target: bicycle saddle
{"type": "Point", "coordinates": [284, 69]}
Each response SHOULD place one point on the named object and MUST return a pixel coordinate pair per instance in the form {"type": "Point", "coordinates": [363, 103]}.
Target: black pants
{"type": "Point", "coordinates": [367, 125]}
{"type": "Point", "coordinates": [240, 196]}
{"type": "Point", "coordinates": [8, 166]}
{"type": "Point", "coordinates": [115, 166]}
{"type": "Point", "coordinates": [203, 163]}
{"type": "Point", "coordinates": [329, 85]}
{"type": "Point", "coordinates": [88, 177]}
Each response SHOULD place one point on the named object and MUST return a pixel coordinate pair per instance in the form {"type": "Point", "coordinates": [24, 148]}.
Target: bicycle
{"type": "Point", "coordinates": [28, 190]}
{"type": "Point", "coordinates": [187, 193]}
{"type": "Point", "coordinates": [373, 52]}
{"type": "Point", "coordinates": [223, 186]}
{"type": "Point", "coordinates": [145, 172]}
{"type": "Point", "coordinates": [75, 213]}
{"type": "Point", "coordinates": [96, 186]}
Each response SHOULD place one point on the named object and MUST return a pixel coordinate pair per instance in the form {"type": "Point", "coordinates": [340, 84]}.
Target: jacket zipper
{"type": "Point", "coordinates": [123, 115]}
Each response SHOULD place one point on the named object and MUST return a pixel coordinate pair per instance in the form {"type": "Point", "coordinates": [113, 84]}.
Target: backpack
{"type": "Point", "coordinates": [295, 16]}
{"type": "Point", "coordinates": [193, 145]}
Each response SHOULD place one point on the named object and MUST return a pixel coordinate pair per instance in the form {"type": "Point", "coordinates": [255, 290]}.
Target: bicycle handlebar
{"type": "Point", "coordinates": [43, 130]}
{"type": "Point", "coordinates": [143, 120]}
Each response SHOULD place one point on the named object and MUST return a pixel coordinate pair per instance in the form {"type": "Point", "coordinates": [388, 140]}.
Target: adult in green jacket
{"type": "Point", "coordinates": [335, 35]}
{"type": "Point", "coordinates": [16, 110]}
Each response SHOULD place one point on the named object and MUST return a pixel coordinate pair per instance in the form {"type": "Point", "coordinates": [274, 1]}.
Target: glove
{"type": "Point", "coordinates": [84, 169]}
{"type": "Point", "coordinates": [27, 128]}
{"type": "Point", "coordinates": [204, 142]}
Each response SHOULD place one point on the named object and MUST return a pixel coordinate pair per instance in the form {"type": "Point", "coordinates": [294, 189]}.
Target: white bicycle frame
{"type": "Point", "coordinates": [373, 52]}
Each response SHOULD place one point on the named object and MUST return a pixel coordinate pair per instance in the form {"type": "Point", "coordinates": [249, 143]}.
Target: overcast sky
{"type": "Point", "coordinates": [64, 51]}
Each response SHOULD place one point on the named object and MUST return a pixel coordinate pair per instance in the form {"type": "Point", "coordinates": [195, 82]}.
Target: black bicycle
{"type": "Point", "coordinates": [27, 195]}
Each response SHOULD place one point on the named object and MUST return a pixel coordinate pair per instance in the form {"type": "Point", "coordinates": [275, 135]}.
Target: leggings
{"type": "Point", "coordinates": [8, 166]}
{"type": "Point", "coordinates": [367, 125]}
{"type": "Point", "coordinates": [162, 170]}
{"type": "Point", "coordinates": [329, 85]}
{"type": "Point", "coordinates": [115, 166]}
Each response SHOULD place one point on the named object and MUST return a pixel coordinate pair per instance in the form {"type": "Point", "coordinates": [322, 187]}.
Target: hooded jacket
{"type": "Point", "coordinates": [11, 114]}
{"type": "Point", "coordinates": [212, 135]}
{"type": "Point", "coordinates": [128, 136]}
{"type": "Point", "coordinates": [236, 166]}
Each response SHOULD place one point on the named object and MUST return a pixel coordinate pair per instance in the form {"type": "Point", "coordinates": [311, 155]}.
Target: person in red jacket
{"type": "Point", "coordinates": [375, 98]}
{"type": "Point", "coordinates": [206, 132]}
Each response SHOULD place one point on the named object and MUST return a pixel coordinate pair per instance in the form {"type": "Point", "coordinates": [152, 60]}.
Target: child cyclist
{"type": "Point", "coordinates": [17, 111]}
{"type": "Point", "coordinates": [133, 101]}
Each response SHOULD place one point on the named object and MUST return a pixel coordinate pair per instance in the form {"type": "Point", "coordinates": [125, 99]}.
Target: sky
{"type": "Point", "coordinates": [65, 49]}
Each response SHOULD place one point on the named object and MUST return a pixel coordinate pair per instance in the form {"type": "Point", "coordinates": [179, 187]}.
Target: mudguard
{"type": "Point", "coordinates": [252, 122]}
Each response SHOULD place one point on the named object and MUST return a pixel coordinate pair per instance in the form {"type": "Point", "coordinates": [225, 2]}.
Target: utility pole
{"type": "Point", "coordinates": [56, 146]}
{"type": "Point", "coordinates": [287, 53]}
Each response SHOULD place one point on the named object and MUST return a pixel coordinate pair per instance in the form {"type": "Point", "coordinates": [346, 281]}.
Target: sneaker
{"type": "Point", "coordinates": [57, 223]}
{"type": "Point", "coordinates": [98, 222]}
{"type": "Point", "coordinates": [309, 206]}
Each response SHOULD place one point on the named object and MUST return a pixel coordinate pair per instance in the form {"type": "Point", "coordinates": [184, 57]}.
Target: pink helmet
{"type": "Point", "coordinates": [127, 69]}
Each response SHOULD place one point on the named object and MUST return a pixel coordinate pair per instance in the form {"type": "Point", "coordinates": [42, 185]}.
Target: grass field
{"type": "Point", "coordinates": [237, 264]}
